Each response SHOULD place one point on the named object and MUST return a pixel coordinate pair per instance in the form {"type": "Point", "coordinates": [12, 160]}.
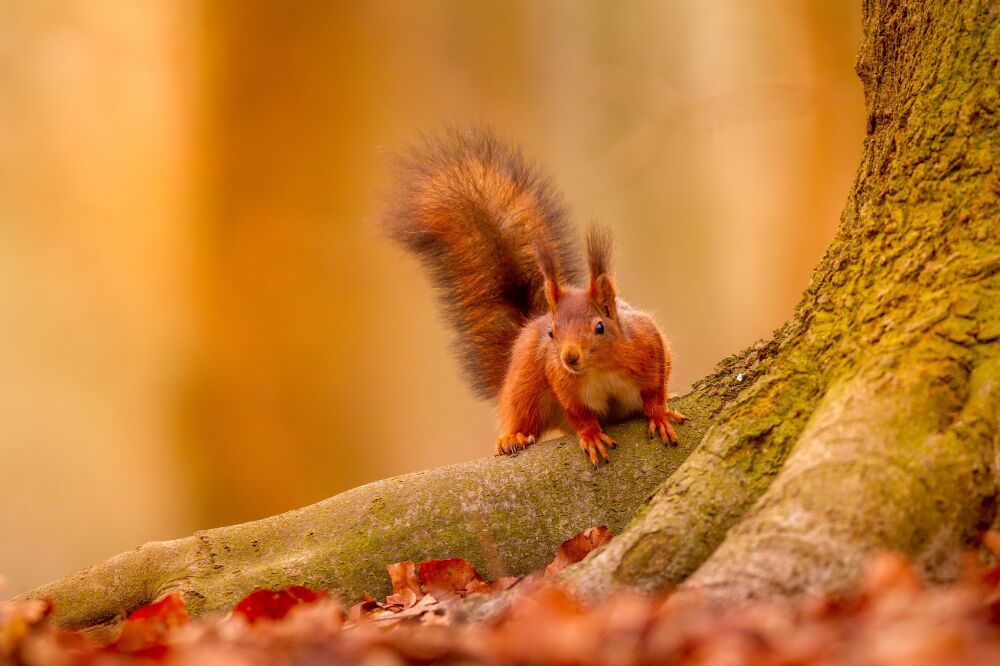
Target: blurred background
{"type": "Point", "coordinates": [199, 322]}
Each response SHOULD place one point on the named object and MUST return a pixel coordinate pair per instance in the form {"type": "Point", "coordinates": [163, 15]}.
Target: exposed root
{"type": "Point", "coordinates": [893, 459]}
{"type": "Point", "coordinates": [506, 515]}
{"type": "Point", "coordinates": [689, 514]}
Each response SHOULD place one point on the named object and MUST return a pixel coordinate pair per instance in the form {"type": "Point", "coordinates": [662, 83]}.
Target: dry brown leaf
{"type": "Point", "coordinates": [477, 587]}
{"type": "Point", "coordinates": [426, 605]}
{"type": "Point", "coordinates": [447, 578]}
{"type": "Point", "coordinates": [147, 631]}
{"type": "Point", "coordinates": [893, 619]}
{"type": "Point", "coordinates": [404, 599]}
{"type": "Point", "coordinates": [362, 609]}
{"type": "Point", "coordinates": [403, 576]}
{"type": "Point", "coordinates": [575, 549]}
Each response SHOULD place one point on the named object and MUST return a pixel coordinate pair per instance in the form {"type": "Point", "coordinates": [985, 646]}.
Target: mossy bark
{"type": "Point", "coordinates": [875, 423]}
{"type": "Point", "coordinates": [507, 515]}
{"type": "Point", "coordinates": [870, 421]}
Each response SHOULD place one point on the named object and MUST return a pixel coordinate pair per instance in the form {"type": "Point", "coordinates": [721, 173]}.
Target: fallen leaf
{"type": "Point", "coordinates": [477, 587]}
{"type": "Point", "coordinates": [145, 632]}
{"type": "Point", "coordinates": [404, 577]}
{"type": "Point", "coordinates": [404, 599]}
{"type": "Point", "coordinates": [427, 603]}
{"type": "Point", "coordinates": [275, 604]}
{"type": "Point", "coordinates": [575, 549]}
{"type": "Point", "coordinates": [362, 609]}
{"type": "Point", "coordinates": [447, 578]}
{"type": "Point", "coordinates": [892, 619]}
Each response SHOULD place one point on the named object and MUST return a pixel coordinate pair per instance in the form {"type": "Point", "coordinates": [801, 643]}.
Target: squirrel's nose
{"type": "Point", "coordinates": [571, 357]}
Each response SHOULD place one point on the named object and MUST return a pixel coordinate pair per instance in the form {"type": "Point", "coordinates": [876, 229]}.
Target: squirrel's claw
{"type": "Point", "coordinates": [513, 442]}
{"type": "Point", "coordinates": [596, 443]}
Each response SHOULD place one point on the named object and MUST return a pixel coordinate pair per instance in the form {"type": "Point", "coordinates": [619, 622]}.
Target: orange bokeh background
{"type": "Point", "coordinates": [201, 323]}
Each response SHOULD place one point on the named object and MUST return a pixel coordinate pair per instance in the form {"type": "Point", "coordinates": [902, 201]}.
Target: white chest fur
{"type": "Point", "coordinates": [608, 394]}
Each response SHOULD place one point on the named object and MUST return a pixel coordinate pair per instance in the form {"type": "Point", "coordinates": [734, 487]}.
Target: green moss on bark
{"type": "Point", "coordinates": [507, 515]}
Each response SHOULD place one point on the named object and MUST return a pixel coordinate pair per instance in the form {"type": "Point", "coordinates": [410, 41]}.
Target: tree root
{"type": "Point", "coordinates": [507, 515]}
{"type": "Point", "coordinates": [897, 458]}
{"type": "Point", "coordinates": [691, 511]}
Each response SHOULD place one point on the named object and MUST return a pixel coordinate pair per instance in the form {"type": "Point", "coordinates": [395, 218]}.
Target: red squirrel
{"type": "Point", "coordinates": [556, 352]}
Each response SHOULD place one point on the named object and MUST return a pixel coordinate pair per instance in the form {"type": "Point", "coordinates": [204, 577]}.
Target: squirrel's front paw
{"type": "Point", "coordinates": [659, 424]}
{"type": "Point", "coordinates": [513, 442]}
{"type": "Point", "coordinates": [594, 442]}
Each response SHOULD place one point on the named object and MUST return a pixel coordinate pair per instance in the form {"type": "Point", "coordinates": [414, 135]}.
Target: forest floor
{"type": "Point", "coordinates": [892, 619]}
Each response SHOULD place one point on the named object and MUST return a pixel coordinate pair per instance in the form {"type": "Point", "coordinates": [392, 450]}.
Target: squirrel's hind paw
{"type": "Point", "coordinates": [514, 442]}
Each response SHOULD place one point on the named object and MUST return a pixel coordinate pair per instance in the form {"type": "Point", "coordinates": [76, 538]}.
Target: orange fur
{"type": "Point", "coordinates": [492, 231]}
{"type": "Point", "coordinates": [590, 376]}
{"type": "Point", "coordinates": [485, 222]}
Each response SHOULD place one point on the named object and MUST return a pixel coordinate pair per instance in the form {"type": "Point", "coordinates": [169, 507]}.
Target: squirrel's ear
{"type": "Point", "coordinates": [602, 292]}
{"type": "Point", "coordinates": [552, 293]}
{"type": "Point", "coordinates": [548, 267]}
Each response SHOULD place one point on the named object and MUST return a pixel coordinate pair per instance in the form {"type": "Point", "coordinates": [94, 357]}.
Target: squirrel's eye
{"type": "Point", "coordinates": [551, 334]}
{"type": "Point", "coordinates": [599, 328]}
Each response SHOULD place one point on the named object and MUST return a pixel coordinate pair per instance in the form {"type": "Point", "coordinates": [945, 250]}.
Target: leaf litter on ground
{"type": "Point", "coordinates": [892, 619]}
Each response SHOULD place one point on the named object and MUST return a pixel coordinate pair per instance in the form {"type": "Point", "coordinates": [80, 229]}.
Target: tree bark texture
{"type": "Point", "coordinates": [507, 515]}
{"type": "Point", "coordinates": [868, 422]}
{"type": "Point", "coordinates": [871, 422]}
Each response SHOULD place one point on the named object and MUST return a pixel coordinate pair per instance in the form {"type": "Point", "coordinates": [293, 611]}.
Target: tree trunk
{"type": "Point", "coordinates": [870, 421]}
{"type": "Point", "coordinates": [874, 422]}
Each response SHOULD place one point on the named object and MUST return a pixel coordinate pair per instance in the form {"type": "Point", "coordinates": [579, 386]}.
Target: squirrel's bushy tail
{"type": "Point", "coordinates": [477, 213]}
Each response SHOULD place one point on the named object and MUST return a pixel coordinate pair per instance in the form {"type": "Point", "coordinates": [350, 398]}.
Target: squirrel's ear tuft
{"type": "Point", "coordinates": [601, 289]}
{"type": "Point", "coordinates": [600, 248]}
